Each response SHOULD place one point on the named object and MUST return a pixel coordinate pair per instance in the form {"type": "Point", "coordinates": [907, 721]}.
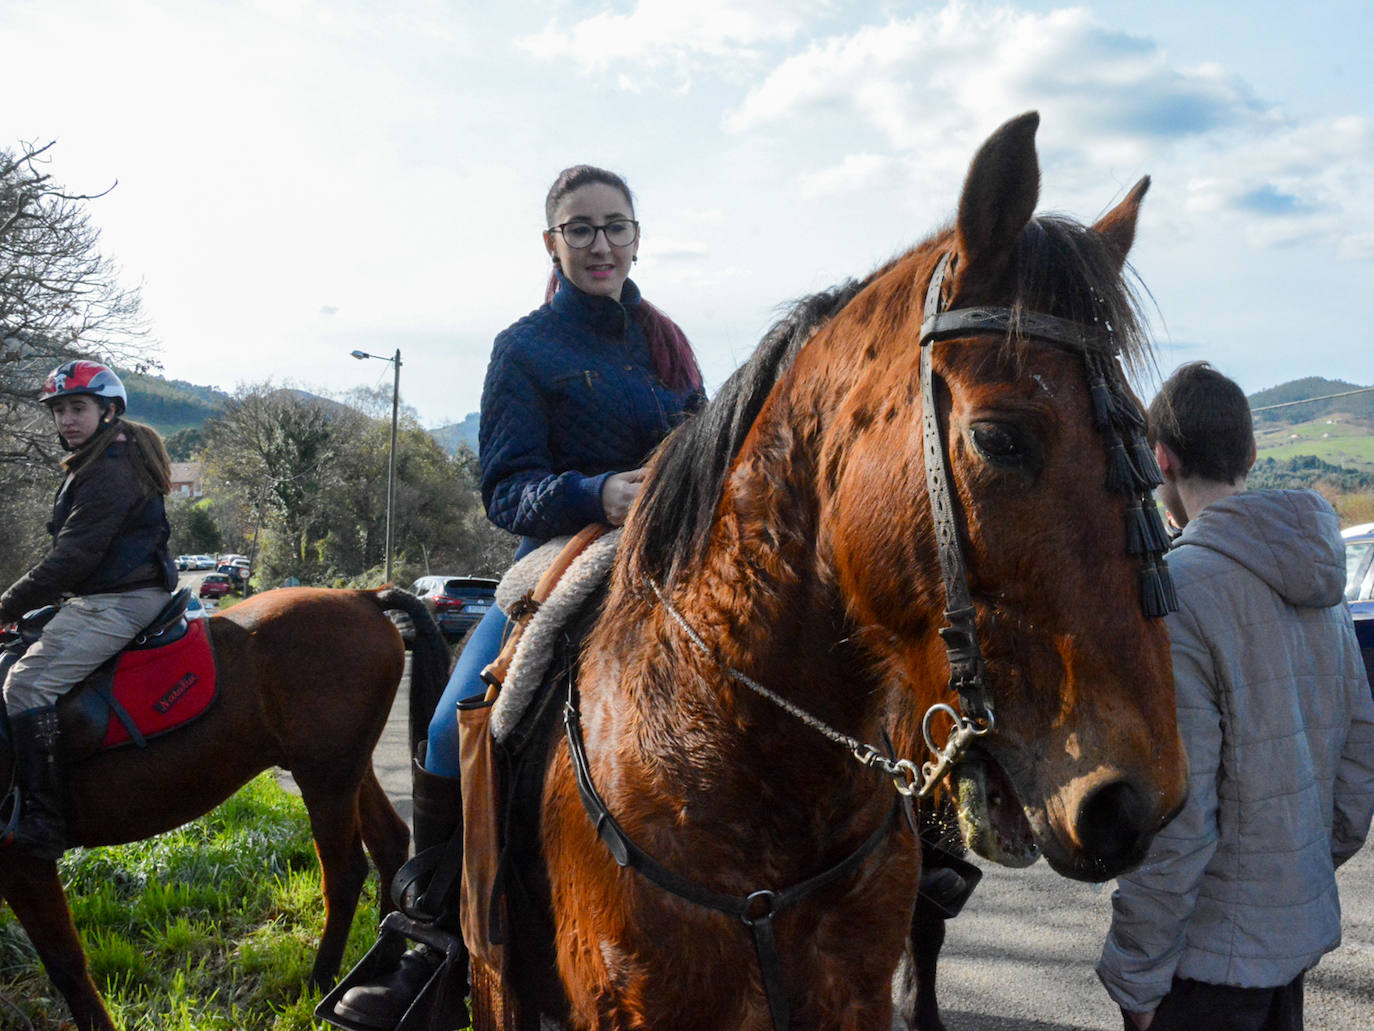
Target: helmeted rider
{"type": "Point", "coordinates": [109, 568]}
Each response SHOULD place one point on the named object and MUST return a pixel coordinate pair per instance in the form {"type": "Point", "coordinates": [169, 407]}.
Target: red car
{"type": "Point", "coordinates": [215, 585]}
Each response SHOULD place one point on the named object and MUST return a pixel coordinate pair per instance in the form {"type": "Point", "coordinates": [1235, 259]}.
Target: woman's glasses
{"type": "Point", "coordinates": [579, 235]}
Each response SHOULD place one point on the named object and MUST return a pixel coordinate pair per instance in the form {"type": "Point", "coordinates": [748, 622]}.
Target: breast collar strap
{"type": "Point", "coordinates": [756, 910]}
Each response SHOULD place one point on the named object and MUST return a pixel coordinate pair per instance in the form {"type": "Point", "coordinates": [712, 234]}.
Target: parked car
{"type": "Point", "coordinates": [457, 604]}
{"type": "Point", "coordinates": [184, 562]}
{"type": "Point", "coordinates": [215, 585]}
{"type": "Point", "coordinates": [1359, 588]}
{"type": "Point", "coordinates": [203, 562]}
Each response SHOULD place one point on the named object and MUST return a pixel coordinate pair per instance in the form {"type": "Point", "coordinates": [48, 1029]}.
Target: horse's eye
{"type": "Point", "coordinates": [999, 443]}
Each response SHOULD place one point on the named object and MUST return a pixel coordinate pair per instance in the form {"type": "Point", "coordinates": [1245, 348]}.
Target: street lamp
{"type": "Point", "coordinates": [395, 361]}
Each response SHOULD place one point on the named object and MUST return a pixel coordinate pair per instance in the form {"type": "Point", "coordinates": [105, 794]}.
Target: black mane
{"type": "Point", "coordinates": [674, 516]}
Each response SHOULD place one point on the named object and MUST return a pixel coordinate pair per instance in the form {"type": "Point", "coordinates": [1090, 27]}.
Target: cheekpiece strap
{"type": "Point", "coordinates": [967, 673]}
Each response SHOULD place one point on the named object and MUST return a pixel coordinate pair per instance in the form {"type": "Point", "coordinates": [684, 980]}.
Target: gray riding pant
{"type": "Point", "coordinates": [86, 631]}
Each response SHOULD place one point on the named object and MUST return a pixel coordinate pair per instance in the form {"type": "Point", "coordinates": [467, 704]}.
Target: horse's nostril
{"type": "Point", "coordinates": [1114, 825]}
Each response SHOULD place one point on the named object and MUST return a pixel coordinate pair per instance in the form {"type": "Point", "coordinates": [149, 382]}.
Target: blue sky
{"type": "Point", "coordinates": [299, 179]}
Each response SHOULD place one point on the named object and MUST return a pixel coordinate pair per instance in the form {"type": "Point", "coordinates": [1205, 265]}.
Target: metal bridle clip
{"type": "Point", "coordinates": [903, 772]}
{"type": "Point", "coordinates": [905, 777]}
{"type": "Point", "coordinates": [961, 737]}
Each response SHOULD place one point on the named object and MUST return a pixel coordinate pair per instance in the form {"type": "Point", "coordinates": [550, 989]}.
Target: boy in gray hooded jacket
{"type": "Point", "coordinates": [1237, 898]}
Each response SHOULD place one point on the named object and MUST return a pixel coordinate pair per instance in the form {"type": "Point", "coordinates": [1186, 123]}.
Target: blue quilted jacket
{"type": "Point", "coordinates": [570, 397]}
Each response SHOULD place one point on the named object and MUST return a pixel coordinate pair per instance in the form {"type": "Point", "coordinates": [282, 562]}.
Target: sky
{"type": "Point", "coordinates": [296, 179]}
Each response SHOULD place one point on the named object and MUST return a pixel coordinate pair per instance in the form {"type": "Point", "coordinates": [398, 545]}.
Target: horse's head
{"type": "Point", "coordinates": [1083, 761]}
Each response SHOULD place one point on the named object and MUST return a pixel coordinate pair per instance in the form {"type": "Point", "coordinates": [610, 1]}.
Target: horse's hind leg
{"type": "Point", "coordinates": [913, 987]}
{"type": "Point", "coordinates": [335, 824]}
{"type": "Point", "coordinates": [35, 893]}
{"type": "Point", "coordinates": [386, 835]}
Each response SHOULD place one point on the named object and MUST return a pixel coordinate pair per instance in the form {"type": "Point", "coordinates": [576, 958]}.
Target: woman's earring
{"type": "Point", "coordinates": [556, 262]}
{"type": "Point", "coordinates": [634, 260]}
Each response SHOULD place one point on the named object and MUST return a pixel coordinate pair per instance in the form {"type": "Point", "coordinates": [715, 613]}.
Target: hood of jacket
{"type": "Point", "coordinates": [1290, 539]}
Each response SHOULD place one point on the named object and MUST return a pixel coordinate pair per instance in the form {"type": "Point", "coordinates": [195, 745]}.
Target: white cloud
{"type": "Point", "coordinates": [1114, 106]}
{"type": "Point", "coordinates": [958, 70]}
{"type": "Point", "coordinates": [657, 33]}
{"type": "Point", "coordinates": [855, 172]}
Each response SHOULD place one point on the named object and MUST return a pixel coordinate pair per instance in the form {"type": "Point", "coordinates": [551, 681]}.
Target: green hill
{"type": "Point", "coordinates": [171, 405]}
{"type": "Point", "coordinates": [1358, 406]}
{"type": "Point", "coordinates": [1328, 441]}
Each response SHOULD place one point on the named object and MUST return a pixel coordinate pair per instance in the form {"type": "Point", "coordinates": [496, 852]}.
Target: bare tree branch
{"type": "Point", "coordinates": [60, 298]}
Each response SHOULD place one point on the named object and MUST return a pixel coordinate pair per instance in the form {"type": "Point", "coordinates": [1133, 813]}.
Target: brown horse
{"type": "Point", "coordinates": [777, 608]}
{"type": "Point", "coordinates": [306, 680]}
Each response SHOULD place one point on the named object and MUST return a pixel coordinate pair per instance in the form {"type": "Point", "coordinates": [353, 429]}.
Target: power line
{"type": "Point", "coordinates": [1309, 400]}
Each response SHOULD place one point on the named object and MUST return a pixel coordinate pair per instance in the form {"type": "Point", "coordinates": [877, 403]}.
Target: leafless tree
{"type": "Point", "coordinates": [60, 298]}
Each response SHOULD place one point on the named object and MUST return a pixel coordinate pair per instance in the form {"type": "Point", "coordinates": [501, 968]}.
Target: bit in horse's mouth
{"type": "Point", "coordinates": [991, 818]}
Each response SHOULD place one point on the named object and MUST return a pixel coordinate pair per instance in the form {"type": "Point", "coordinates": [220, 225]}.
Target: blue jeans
{"type": "Point", "coordinates": [465, 682]}
{"type": "Point", "coordinates": [484, 644]}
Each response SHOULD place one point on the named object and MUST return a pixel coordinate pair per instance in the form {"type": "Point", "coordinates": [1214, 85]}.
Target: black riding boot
{"type": "Point", "coordinates": [42, 825]}
{"type": "Point", "coordinates": [438, 817]}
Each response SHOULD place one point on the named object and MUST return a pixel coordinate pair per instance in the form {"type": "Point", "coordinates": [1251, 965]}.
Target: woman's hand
{"type": "Point", "coordinates": [618, 492]}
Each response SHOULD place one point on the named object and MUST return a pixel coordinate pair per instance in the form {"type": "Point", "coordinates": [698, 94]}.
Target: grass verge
{"type": "Point", "coordinates": [211, 926]}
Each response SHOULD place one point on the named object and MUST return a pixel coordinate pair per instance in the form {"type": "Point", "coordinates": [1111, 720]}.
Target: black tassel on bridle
{"type": "Point", "coordinates": [1133, 472]}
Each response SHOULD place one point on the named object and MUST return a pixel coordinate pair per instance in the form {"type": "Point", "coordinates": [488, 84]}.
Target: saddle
{"type": "Point", "coordinates": [163, 679]}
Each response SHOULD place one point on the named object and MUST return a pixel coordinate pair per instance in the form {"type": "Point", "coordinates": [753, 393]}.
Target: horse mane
{"type": "Point", "coordinates": [1066, 269]}
{"type": "Point", "coordinates": [1063, 268]}
{"type": "Point", "coordinates": [672, 522]}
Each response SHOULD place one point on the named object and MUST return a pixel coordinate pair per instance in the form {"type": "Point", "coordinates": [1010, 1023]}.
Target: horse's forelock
{"type": "Point", "coordinates": [1064, 268]}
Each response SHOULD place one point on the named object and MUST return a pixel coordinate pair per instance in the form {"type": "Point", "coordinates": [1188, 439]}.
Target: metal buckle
{"type": "Point", "coordinates": [765, 900]}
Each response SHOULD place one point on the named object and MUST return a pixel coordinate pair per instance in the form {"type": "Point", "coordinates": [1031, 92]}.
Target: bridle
{"type": "Point", "coordinates": [1114, 412]}
{"type": "Point", "coordinates": [1133, 472]}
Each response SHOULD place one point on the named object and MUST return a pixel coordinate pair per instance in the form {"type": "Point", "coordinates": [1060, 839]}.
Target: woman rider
{"type": "Point", "coordinates": [577, 394]}
{"type": "Point", "coordinates": [109, 567]}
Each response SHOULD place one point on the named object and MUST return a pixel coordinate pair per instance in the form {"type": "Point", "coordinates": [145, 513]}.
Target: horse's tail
{"type": "Point", "coordinates": [430, 654]}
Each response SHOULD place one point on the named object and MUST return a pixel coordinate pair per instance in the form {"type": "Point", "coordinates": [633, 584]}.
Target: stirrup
{"type": "Point", "coordinates": [434, 997]}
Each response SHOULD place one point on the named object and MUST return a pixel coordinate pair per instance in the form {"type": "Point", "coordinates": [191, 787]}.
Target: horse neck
{"type": "Point", "coordinates": [764, 604]}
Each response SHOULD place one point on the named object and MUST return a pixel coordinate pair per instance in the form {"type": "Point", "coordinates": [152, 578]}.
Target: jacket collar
{"type": "Point", "coordinates": [598, 313]}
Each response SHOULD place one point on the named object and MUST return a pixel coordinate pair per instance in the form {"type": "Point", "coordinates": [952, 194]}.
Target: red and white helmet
{"type": "Point", "coordinates": [82, 377]}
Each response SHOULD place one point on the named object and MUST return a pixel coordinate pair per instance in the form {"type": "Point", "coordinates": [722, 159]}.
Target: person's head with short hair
{"type": "Point", "coordinates": [1202, 433]}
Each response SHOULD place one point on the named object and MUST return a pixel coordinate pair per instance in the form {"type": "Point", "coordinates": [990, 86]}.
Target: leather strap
{"type": "Point", "coordinates": [756, 910]}
{"type": "Point", "coordinates": [967, 673]}
{"type": "Point", "coordinates": [1027, 325]}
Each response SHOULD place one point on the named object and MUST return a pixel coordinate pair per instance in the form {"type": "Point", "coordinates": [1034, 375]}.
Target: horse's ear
{"type": "Point", "coordinates": [999, 198]}
{"type": "Point", "coordinates": [1118, 225]}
